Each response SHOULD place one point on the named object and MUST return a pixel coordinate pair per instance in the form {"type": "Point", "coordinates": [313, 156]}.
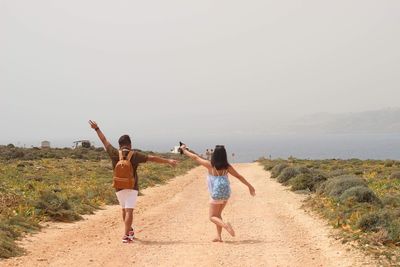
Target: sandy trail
{"type": "Point", "coordinates": [173, 230]}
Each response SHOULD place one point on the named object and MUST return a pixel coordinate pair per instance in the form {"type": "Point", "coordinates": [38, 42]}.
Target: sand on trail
{"type": "Point", "coordinates": [173, 230]}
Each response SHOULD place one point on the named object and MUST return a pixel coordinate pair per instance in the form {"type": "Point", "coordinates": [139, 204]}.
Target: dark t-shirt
{"type": "Point", "coordinates": [136, 159]}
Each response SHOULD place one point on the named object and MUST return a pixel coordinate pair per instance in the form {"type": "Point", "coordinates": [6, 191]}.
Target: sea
{"type": "Point", "coordinates": [318, 146]}
{"type": "Point", "coordinates": [305, 146]}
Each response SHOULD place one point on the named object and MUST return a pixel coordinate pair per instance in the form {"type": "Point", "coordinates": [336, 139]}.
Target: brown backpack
{"type": "Point", "coordinates": [123, 172]}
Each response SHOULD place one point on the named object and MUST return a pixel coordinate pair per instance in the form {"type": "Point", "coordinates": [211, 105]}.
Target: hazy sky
{"type": "Point", "coordinates": [162, 69]}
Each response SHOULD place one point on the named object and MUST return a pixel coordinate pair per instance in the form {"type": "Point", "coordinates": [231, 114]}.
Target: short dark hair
{"type": "Point", "coordinates": [124, 140]}
{"type": "Point", "coordinates": [219, 159]}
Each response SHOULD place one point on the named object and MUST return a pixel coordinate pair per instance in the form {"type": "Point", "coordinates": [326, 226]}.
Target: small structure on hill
{"type": "Point", "coordinates": [82, 143]}
{"type": "Point", "coordinates": [45, 144]}
{"type": "Point", "coordinates": [175, 150]}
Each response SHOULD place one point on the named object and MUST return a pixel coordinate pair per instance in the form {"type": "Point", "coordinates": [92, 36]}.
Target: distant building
{"type": "Point", "coordinates": [45, 144]}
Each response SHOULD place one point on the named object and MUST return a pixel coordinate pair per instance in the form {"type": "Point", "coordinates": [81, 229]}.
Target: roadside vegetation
{"type": "Point", "coordinates": [39, 185]}
{"type": "Point", "coordinates": [361, 197]}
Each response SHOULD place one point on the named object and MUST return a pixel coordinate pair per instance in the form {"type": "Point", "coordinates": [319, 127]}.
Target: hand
{"type": "Point", "coordinates": [183, 147]}
{"type": "Point", "coordinates": [93, 124]}
{"type": "Point", "coordinates": [252, 190]}
{"type": "Point", "coordinates": [172, 162]}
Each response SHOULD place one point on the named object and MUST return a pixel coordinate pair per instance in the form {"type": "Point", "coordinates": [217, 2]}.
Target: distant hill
{"type": "Point", "coordinates": [377, 121]}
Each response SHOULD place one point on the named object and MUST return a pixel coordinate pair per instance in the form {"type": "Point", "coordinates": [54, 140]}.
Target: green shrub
{"type": "Point", "coordinates": [359, 194]}
{"type": "Point", "coordinates": [389, 163]}
{"type": "Point", "coordinates": [335, 187]}
{"type": "Point", "coordinates": [386, 220]}
{"type": "Point", "coordinates": [304, 170]}
{"type": "Point", "coordinates": [373, 221]}
{"type": "Point", "coordinates": [277, 169]}
{"type": "Point", "coordinates": [391, 201]}
{"type": "Point", "coordinates": [302, 182]}
{"type": "Point", "coordinates": [55, 207]}
{"type": "Point", "coordinates": [358, 172]}
{"type": "Point", "coordinates": [338, 172]}
{"type": "Point", "coordinates": [395, 175]}
{"type": "Point", "coordinates": [310, 181]}
{"type": "Point", "coordinates": [8, 248]}
{"type": "Point", "coordinates": [287, 174]}
{"type": "Point", "coordinates": [11, 229]}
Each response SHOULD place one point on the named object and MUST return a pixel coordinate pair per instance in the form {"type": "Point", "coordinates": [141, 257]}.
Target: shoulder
{"type": "Point", "coordinates": [111, 150]}
{"type": "Point", "coordinates": [139, 157]}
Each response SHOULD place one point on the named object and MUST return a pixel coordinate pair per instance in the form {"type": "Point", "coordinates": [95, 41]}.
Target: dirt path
{"type": "Point", "coordinates": [173, 230]}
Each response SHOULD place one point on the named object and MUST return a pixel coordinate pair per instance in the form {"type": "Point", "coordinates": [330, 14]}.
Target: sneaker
{"type": "Point", "coordinates": [126, 239]}
{"type": "Point", "coordinates": [131, 234]}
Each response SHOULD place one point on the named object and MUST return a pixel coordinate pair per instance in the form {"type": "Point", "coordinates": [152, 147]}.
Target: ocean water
{"type": "Point", "coordinates": [322, 146]}
{"type": "Point", "coordinates": [248, 149]}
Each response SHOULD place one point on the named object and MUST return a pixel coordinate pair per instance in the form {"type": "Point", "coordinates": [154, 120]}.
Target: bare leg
{"type": "Point", "coordinates": [215, 217]}
{"type": "Point", "coordinates": [228, 225]}
{"type": "Point", "coordinates": [219, 228]}
{"type": "Point", "coordinates": [128, 220]}
{"type": "Point", "coordinates": [123, 214]}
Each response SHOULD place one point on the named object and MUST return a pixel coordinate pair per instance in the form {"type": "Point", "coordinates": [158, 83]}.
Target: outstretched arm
{"type": "Point", "coordinates": [157, 159]}
{"type": "Point", "coordinates": [232, 171]}
{"type": "Point", "coordinates": [195, 157]}
{"type": "Point", "coordinates": [103, 139]}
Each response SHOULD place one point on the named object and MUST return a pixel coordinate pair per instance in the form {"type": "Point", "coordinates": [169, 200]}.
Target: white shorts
{"type": "Point", "coordinates": [127, 198]}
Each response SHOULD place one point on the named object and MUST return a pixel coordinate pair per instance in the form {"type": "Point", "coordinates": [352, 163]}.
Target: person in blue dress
{"type": "Point", "coordinates": [218, 185]}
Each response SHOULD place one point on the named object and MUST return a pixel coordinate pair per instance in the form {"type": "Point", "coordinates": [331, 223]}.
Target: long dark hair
{"type": "Point", "coordinates": [219, 159]}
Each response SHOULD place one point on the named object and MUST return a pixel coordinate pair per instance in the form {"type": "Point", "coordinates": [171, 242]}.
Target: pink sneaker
{"type": "Point", "coordinates": [131, 234]}
{"type": "Point", "coordinates": [127, 239]}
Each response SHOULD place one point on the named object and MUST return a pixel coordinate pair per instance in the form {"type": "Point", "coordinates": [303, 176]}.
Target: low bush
{"type": "Point", "coordinates": [383, 220]}
{"type": "Point", "coordinates": [54, 206]}
{"type": "Point", "coordinates": [359, 194]}
{"type": "Point", "coordinates": [389, 163]}
{"type": "Point", "coordinates": [277, 169]}
{"type": "Point", "coordinates": [336, 186]}
{"type": "Point", "coordinates": [287, 174]}
{"type": "Point", "coordinates": [301, 182]}
{"type": "Point", "coordinates": [373, 221]}
{"type": "Point", "coordinates": [307, 181]}
{"type": "Point", "coordinates": [304, 170]}
{"type": "Point", "coordinates": [338, 172]}
{"type": "Point", "coordinates": [11, 229]}
{"type": "Point", "coordinates": [395, 175]}
{"type": "Point", "coordinates": [391, 201]}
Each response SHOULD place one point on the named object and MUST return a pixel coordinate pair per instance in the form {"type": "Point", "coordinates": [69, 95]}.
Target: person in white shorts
{"type": "Point", "coordinates": [127, 197]}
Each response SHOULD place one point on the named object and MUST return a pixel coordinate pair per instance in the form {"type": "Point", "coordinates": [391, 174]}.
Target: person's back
{"type": "Point", "coordinates": [125, 162]}
{"type": "Point", "coordinates": [218, 185]}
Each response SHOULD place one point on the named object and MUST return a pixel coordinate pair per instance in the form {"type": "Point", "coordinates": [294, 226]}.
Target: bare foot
{"type": "Point", "coordinates": [217, 239]}
{"type": "Point", "coordinates": [230, 229]}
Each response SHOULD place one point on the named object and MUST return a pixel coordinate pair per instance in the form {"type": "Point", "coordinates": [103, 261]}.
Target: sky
{"type": "Point", "coordinates": [175, 70]}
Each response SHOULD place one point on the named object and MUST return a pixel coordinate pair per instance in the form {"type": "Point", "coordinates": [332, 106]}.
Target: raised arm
{"type": "Point", "coordinates": [103, 139]}
{"type": "Point", "coordinates": [233, 172]}
{"type": "Point", "coordinates": [195, 157]}
{"type": "Point", "coordinates": [157, 159]}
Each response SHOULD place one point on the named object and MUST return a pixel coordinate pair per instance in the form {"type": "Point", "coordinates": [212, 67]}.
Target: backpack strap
{"type": "Point", "coordinates": [129, 156]}
{"type": "Point", "coordinates": [121, 156]}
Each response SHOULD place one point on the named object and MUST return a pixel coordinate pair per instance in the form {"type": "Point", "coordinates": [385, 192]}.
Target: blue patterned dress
{"type": "Point", "coordinates": [219, 185]}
